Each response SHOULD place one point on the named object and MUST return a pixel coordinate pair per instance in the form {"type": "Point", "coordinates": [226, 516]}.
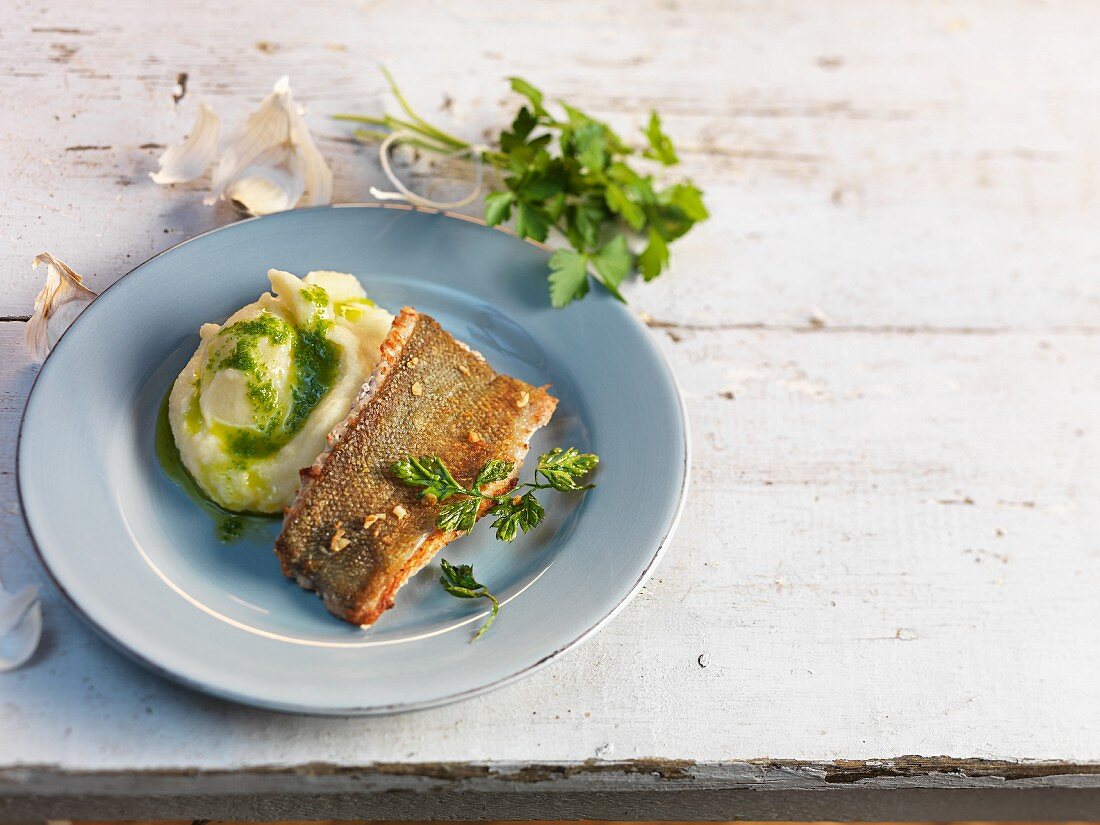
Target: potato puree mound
{"type": "Point", "coordinates": [254, 403]}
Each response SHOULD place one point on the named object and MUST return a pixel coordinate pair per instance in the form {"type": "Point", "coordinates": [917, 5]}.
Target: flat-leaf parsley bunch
{"type": "Point", "coordinates": [568, 172]}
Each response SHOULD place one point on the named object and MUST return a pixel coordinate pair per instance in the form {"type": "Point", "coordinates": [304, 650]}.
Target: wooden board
{"type": "Point", "coordinates": [887, 337]}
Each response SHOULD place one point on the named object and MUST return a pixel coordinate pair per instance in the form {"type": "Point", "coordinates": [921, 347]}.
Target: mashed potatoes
{"type": "Point", "coordinates": [254, 403]}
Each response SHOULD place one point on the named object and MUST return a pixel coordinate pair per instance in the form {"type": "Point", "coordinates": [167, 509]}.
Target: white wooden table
{"type": "Point", "coordinates": [883, 597]}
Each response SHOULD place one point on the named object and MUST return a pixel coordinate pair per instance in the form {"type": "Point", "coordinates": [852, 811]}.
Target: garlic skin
{"type": "Point", "coordinates": [62, 298]}
{"type": "Point", "coordinates": [191, 158]}
{"type": "Point", "coordinates": [273, 164]}
{"type": "Point", "coordinates": [20, 626]}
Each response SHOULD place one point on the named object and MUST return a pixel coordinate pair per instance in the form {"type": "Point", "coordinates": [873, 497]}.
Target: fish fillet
{"type": "Point", "coordinates": [355, 533]}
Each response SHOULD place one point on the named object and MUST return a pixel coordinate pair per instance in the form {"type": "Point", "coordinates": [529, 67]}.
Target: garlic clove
{"type": "Point", "coordinates": [274, 183]}
{"type": "Point", "coordinates": [190, 159]}
{"type": "Point", "coordinates": [62, 298]}
{"type": "Point", "coordinates": [273, 163]}
{"type": "Point", "coordinates": [20, 627]}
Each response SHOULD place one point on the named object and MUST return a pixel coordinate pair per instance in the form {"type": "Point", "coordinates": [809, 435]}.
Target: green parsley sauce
{"type": "Point", "coordinates": [316, 295]}
{"type": "Point", "coordinates": [243, 356]}
{"type": "Point", "coordinates": [228, 526]}
{"type": "Point", "coordinates": [314, 367]}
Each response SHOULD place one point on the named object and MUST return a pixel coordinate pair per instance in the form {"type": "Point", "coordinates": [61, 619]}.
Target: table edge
{"type": "Point", "coordinates": [907, 787]}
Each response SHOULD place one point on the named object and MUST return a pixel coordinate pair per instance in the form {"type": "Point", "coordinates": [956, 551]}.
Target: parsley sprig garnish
{"type": "Point", "coordinates": [571, 173]}
{"type": "Point", "coordinates": [459, 582]}
{"type": "Point", "coordinates": [514, 511]}
{"type": "Point", "coordinates": [560, 469]}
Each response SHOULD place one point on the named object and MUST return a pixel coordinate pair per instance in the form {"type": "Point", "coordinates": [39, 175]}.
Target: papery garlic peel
{"type": "Point", "coordinates": [20, 626]}
{"type": "Point", "coordinates": [62, 298]}
{"type": "Point", "coordinates": [191, 158]}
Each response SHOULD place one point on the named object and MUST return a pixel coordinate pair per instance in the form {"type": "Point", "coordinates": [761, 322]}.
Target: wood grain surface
{"type": "Point", "coordinates": [887, 337]}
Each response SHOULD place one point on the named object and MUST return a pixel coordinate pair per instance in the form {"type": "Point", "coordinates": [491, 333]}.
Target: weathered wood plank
{"type": "Point", "coordinates": [889, 548]}
{"type": "Point", "coordinates": [766, 790]}
{"type": "Point", "coordinates": [878, 165]}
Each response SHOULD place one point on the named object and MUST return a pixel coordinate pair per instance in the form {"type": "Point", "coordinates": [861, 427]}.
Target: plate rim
{"type": "Point", "coordinates": [365, 710]}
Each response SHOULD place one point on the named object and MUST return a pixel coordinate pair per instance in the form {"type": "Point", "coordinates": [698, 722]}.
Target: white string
{"type": "Point", "coordinates": [403, 193]}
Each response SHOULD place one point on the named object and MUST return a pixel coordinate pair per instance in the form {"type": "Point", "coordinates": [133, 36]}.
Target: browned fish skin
{"type": "Point", "coordinates": [429, 395]}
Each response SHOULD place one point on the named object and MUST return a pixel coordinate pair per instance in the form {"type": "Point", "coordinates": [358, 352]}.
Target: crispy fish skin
{"type": "Point", "coordinates": [355, 533]}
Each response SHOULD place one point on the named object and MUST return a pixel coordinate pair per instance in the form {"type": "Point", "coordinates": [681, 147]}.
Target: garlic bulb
{"type": "Point", "coordinates": [190, 159]}
{"type": "Point", "coordinates": [273, 163]}
{"type": "Point", "coordinates": [62, 298]}
{"type": "Point", "coordinates": [20, 626]}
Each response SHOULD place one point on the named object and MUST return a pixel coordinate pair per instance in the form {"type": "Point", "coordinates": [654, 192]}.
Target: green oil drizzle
{"type": "Point", "coordinates": [352, 309]}
{"type": "Point", "coordinates": [228, 526]}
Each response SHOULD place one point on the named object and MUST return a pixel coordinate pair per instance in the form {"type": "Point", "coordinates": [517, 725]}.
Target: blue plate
{"type": "Point", "coordinates": [143, 564]}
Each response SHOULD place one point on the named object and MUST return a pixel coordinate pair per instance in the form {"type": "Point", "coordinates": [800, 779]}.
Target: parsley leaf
{"type": "Point", "coordinates": [430, 473]}
{"type": "Point", "coordinates": [561, 468]}
{"type": "Point", "coordinates": [458, 578]}
{"type": "Point", "coordinates": [524, 88]}
{"type": "Point", "coordinates": [459, 515]}
{"type": "Point", "coordinates": [522, 125]}
{"type": "Point", "coordinates": [591, 146]}
{"type": "Point", "coordinates": [584, 222]}
{"type": "Point", "coordinates": [638, 187]}
{"type": "Point", "coordinates": [531, 222]}
{"type": "Point", "coordinates": [689, 199]}
{"type": "Point", "coordinates": [654, 257]}
{"type": "Point", "coordinates": [498, 207]}
{"type": "Point", "coordinates": [460, 582]}
{"type": "Point", "coordinates": [512, 516]}
{"type": "Point", "coordinates": [619, 203]}
{"type": "Point", "coordinates": [495, 470]}
{"type": "Point", "coordinates": [613, 263]}
{"type": "Point", "coordinates": [568, 277]}
{"type": "Point", "coordinates": [660, 146]}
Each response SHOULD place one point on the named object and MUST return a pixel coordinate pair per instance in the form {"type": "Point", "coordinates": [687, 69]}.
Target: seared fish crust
{"type": "Point", "coordinates": [355, 533]}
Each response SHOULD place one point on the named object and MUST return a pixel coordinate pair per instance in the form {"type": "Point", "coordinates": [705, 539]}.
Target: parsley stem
{"type": "Point", "coordinates": [492, 615]}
